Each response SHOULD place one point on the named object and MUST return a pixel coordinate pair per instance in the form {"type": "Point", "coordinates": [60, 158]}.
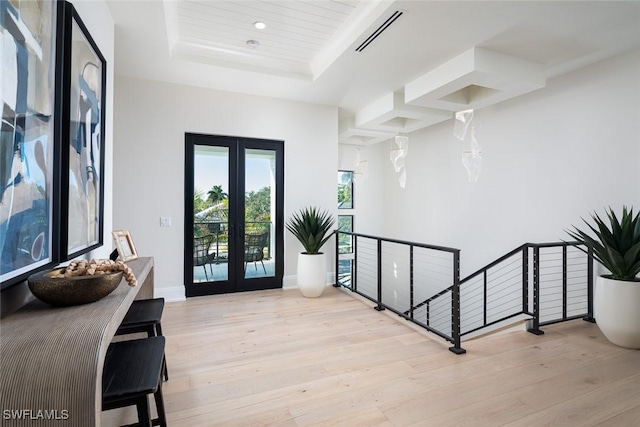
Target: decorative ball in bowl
{"type": "Point", "coordinates": [49, 287]}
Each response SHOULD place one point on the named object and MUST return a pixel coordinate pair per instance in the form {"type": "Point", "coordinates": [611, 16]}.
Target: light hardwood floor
{"type": "Point", "coordinates": [274, 358]}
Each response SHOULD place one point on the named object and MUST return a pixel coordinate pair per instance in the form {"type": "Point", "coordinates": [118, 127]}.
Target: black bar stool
{"type": "Point", "coordinates": [144, 316]}
{"type": "Point", "coordinates": [132, 371]}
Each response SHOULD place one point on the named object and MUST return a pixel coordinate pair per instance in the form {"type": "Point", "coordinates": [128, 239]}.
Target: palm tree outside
{"type": "Point", "coordinates": [216, 194]}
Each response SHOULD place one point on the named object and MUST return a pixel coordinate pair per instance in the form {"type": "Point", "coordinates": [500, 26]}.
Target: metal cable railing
{"type": "Point", "coordinates": [394, 274]}
{"type": "Point", "coordinates": [546, 283]}
{"type": "Point", "coordinates": [562, 284]}
{"type": "Point", "coordinates": [496, 292]}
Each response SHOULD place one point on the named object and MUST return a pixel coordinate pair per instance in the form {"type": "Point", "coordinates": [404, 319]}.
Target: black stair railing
{"type": "Point", "coordinates": [496, 292]}
{"type": "Point", "coordinates": [563, 284]}
{"type": "Point", "coordinates": [394, 274]}
{"type": "Point", "coordinates": [545, 283]}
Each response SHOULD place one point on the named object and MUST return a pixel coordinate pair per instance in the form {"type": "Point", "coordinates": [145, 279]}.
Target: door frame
{"type": "Point", "coordinates": [236, 281]}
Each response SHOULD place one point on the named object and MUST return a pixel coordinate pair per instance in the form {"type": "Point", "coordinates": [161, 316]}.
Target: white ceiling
{"type": "Point", "coordinates": [299, 40]}
{"type": "Point", "coordinates": [308, 51]}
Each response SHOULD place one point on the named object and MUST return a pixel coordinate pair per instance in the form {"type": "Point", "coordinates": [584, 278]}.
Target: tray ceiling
{"type": "Point", "coordinates": [299, 38]}
{"type": "Point", "coordinates": [429, 59]}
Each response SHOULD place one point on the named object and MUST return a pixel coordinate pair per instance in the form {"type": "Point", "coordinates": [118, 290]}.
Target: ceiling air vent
{"type": "Point", "coordinates": [379, 30]}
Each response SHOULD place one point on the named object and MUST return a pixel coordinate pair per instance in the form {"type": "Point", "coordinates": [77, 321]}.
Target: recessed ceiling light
{"type": "Point", "coordinates": [253, 44]}
{"type": "Point", "coordinates": [260, 25]}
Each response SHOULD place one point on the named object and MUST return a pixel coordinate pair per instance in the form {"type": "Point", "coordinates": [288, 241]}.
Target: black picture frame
{"type": "Point", "coordinates": [83, 88]}
{"type": "Point", "coordinates": [29, 139]}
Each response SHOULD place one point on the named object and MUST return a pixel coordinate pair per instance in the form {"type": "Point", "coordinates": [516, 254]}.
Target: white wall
{"type": "Point", "coordinates": [368, 209]}
{"type": "Point", "coordinates": [151, 121]}
{"type": "Point", "coordinates": [549, 158]}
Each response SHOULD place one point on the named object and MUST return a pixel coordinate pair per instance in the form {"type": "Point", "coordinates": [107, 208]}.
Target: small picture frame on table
{"type": "Point", "coordinates": [124, 245]}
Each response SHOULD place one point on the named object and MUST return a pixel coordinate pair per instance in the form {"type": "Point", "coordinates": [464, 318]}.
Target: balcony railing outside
{"type": "Point", "coordinates": [221, 232]}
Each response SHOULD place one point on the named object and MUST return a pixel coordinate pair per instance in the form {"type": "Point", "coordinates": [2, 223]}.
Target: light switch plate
{"type": "Point", "coordinates": [165, 221]}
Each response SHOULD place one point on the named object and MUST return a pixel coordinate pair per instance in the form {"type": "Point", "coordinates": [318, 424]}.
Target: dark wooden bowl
{"type": "Point", "coordinates": [72, 290]}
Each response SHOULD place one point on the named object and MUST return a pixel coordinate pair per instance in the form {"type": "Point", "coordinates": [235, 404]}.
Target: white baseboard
{"type": "Point", "coordinates": [176, 293]}
{"type": "Point", "coordinates": [172, 294]}
{"type": "Point", "coordinates": [331, 278]}
{"type": "Point", "coordinates": [291, 282]}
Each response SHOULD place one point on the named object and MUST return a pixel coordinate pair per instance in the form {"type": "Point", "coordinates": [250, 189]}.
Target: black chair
{"type": "Point", "coordinates": [144, 316]}
{"type": "Point", "coordinates": [254, 245]}
{"type": "Point", "coordinates": [132, 371]}
{"type": "Point", "coordinates": [202, 253]}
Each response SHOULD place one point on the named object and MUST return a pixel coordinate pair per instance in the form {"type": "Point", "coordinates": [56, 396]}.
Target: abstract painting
{"type": "Point", "coordinates": [27, 88]}
{"type": "Point", "coordinates": [85, 74]}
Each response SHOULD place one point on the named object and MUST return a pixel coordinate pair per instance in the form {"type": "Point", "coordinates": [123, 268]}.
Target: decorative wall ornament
{"type": "Point", "coordinates": [472, 157]}
{"type": "Point", "coordinates": [397, 156]}
{"type": "Point", "coordinates": [462, 123]}
{"type": "Point", "coordinates": [464, 130]}
{"type": "Point", "coordinates": [361, 170]}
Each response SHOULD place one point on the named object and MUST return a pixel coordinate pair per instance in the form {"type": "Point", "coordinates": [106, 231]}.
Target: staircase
{"type": "Point", "coordinates": [541, 283]}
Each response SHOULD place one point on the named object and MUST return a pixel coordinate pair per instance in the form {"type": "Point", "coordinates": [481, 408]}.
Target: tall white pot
{"type": "Point", "coordinates": [616, 308]}
{"type": "Point", "coordinates": [312, 274]}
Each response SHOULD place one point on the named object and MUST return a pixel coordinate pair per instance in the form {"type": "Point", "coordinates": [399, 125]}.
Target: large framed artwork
{"type": "Point", "coordinates": [28, 158]}
{"type": "Point", "coordinates": [82, 140]}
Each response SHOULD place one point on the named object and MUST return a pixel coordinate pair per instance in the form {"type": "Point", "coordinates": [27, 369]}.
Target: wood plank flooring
{"type": "Point", "coordinates": [274, 358]}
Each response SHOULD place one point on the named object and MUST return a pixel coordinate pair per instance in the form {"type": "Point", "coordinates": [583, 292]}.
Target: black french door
{"type": "Point", "coordinates": [234, 222]}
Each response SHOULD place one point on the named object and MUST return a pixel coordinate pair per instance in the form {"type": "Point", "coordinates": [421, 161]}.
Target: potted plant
{"type": "Point", "coordinates": [617, 295]}
{"type": "Point", "coordinates": [311, 226]}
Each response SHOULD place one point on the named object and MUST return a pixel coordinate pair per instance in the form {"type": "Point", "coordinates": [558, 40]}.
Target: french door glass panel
{"type": "Point", "coordinates": [259, 212]}
{"type": "Point", "coordinates": [211, 213]}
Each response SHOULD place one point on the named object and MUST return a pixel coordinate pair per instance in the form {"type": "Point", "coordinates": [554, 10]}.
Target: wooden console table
{"type": "Point", "coordinates": [51, 358]}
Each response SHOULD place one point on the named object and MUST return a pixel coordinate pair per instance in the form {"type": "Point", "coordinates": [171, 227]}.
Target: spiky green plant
{"type": "Point", "coordinates": [311, 227]}
{"type": "Point", "coordinates": [616, 247]}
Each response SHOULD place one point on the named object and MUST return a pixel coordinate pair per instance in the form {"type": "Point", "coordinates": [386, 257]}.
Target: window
{"type": "Point", "coordinates": [345, 241]}
{"type": "Point", "coordinates": [345, 224]}
{"type": "Point", "coordinates": [345, 189]}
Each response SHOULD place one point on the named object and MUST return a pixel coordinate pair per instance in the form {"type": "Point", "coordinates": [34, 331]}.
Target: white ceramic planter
{"type": "Point", "coordinates": [616, 307]}
{"type": "Point", "coordinates": [312, 274]}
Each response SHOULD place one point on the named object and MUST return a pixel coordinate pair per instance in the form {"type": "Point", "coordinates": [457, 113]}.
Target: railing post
{"type": "Point", "coordinates": [525, 279]}
{"type": "Point", "coordinates": [354, 264]}
{"type": "Point", "coordinates": [535, 329]}
{"type": "Point", "coordinates": [484, 302]}
{"type": "Point", "coordinates": [411, 282]}
{"type": "Point", "coordinates": [337, 269]}
{"type": "Point", "coordinates": [455, 306]}
{"type": "Point", "coordinates": [379, 307]}
{"type": "Point", "coordinates": [428, 312]}
{"type": "Point", "coordinates": [589, 317]}
{"type": "Point", "coordinates": [564, 281]}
